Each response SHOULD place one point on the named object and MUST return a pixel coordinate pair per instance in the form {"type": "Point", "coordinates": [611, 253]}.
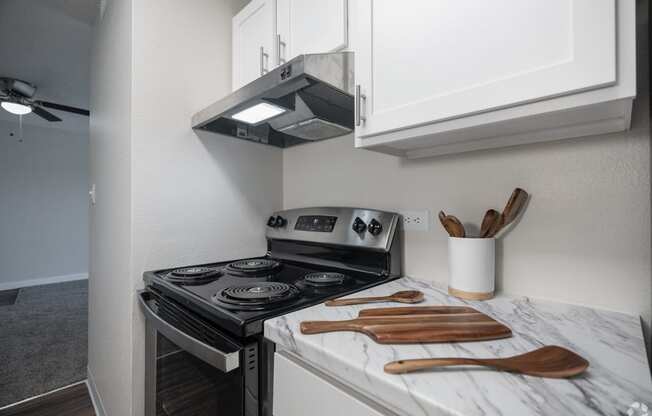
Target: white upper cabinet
{"type": "Point", "coordinates": [254, 29]}
{"type": "Point", "coordinates": [310, 26]}
{"type": "Point", "coordinates": [445, 76]}
{"type": "Point", "coordinates": [268, 33]}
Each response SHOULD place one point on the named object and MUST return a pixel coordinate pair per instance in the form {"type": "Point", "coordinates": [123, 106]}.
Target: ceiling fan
{"type": "Point", "coordinates": [17, 97]}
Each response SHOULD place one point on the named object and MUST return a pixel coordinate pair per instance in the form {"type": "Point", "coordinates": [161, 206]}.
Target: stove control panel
{"type": "Point", "coordinates": [318, 223]}
{"type": "Point", "coordinates": [357, 227]}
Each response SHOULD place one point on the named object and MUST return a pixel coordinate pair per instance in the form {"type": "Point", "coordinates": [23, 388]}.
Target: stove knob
{"type": "Point", "coordinates": [280, 221]}
{"type": "Point", "coordinates": [375, 227]}
{"type": "Point", "coordinates": [271, 222]}
{"type": "Point", "coordinates": [358, 225]}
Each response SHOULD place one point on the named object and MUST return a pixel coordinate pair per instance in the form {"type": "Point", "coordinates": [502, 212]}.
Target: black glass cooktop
{"type": "Point", "coordinates": [241, 294]}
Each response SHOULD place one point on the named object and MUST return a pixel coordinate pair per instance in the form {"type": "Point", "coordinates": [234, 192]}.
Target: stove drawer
{"type": "Point", "coordinates": [301, 391]}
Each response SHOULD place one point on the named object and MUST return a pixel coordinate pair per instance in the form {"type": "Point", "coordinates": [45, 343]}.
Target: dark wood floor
{"type": "Point", "coordinates": [71, 401]}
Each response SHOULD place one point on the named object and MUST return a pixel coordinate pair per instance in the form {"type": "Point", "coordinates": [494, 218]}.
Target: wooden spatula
{"type": "Point", "coordinates": [511, 211]}
{"type": "Point", "coordinates": [490, 218]}
{"type": "Point", "coordinates": [549, 361]}
{"type": "Point", "coordinates": [452, 225]}
{"type": "Point", "coordinates": [404, 296]}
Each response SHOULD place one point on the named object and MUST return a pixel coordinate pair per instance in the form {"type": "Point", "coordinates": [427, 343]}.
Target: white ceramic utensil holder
{"type": "Point", "coordinates": [472, 265]}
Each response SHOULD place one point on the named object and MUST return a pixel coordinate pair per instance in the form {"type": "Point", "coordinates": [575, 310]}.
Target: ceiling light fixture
{"type": "Point", "coordinates": [258, 113]}
{"type": "Point", "coordinates": [15, 108]}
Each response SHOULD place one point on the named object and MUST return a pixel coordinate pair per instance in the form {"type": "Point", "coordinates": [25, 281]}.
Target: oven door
{"type": "Point", "coordinates": [192, 368]}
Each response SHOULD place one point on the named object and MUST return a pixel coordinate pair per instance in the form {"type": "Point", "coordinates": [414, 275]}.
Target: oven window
{"type": "Point", "coordinates": [187, 386]}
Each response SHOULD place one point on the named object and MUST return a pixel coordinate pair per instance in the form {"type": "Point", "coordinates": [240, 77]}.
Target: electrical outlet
{"type": "Point", "coordinates": [415, 220]}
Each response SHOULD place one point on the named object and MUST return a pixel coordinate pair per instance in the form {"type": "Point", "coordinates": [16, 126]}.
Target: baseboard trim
{"type": "Point", "coordinates": [43, 281]}
{"type": "Point", "coordinates": [9, 406]}
{"type": "Point", "coordinates": [95, 395]}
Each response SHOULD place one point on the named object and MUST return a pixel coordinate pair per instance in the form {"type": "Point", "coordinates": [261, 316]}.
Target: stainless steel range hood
{"type": "Point", "coordinates": [307, 99]}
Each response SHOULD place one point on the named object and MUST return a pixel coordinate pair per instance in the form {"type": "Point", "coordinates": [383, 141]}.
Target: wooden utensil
{"type": "Point", "coordinates": [416, 310]}
{"type": "Point", "coordinates": [488, 222]}
{"type": "Point", "coordinates": [442, 326]}
{"type": "Point", "coordinates": [404, 296]}
{"type": "Point", "coordinates": [452, 225]}
{"type": "Point", "coordinates": [511, 211]}
{"type": "Point", "coordinates": [549, 361]}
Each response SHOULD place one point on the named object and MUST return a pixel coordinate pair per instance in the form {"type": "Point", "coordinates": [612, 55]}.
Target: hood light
{"type": "Point", "coordinates": [15, 108]}
{"type": "Point", "coordinates": [258, 113]}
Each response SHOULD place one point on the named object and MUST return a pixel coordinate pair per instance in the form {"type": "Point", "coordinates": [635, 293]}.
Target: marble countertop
{"type": "Point", "coordinates": [612, 342]}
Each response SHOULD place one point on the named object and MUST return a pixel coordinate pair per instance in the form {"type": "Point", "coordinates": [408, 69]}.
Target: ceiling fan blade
{"type": "Point", "coordinates": [66, 108]}
{"type": "Point", "coordinates": [45, 114]}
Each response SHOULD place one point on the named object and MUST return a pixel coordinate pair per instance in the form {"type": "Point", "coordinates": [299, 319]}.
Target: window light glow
{"type": "Point", "coordinates": [258, 113]}
{"type": "Point", "coordinates": [15, 108]}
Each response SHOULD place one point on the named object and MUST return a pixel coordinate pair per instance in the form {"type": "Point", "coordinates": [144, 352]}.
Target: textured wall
{"type": "Point", "coordinates": [110, 290]}
{"type": "Point", "coordinates": [185, 199]}
{"type": "Point", "coordinates": [196, 198]}
{"type": "Point", "coordinates": [585, 237]}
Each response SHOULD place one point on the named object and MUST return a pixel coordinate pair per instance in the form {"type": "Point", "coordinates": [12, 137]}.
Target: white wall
{"type": "Point", "coordinates": [585, 237]}
{"type": "Point", "coordinates": [196, 199]}
{"type": "Point", "coordinates": [43, 204]}
{"type": "Point", "coordinates": [110, 289]}
{"type": "Point", "coordinates": [192, 199]}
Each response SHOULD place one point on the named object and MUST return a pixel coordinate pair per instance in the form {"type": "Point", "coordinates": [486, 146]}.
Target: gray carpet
{"type": "Point", "coordinates": [43, 340]}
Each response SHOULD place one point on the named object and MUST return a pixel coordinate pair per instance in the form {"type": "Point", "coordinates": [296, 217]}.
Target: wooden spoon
{"type": "Point", "coordinates": [511, 211]}
{"type": "Point", "coordinates": [452, 225]}
{"type": "Point", "coordinates": [488, 221]}
{"type": "Point", "coordinates": [405, 296]}
{"type": "Point", "coordinates": [549, 361]}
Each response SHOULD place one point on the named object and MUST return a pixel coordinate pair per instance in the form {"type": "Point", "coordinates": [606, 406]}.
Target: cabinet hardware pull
{"type": "Point", "coordinates": [359, 96]}
{"type": "Point", "coordinates": [280, 45]}
{"type": "Point", "coordinates": [264, 59]}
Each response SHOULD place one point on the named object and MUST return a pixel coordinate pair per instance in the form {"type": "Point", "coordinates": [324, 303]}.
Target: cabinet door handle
{"type": "Point", "coordinates": [280, 44]}
{"type": "Point", "coordinates": [264, 58]}
{"type": "Point", "coordinates": [359, 97]}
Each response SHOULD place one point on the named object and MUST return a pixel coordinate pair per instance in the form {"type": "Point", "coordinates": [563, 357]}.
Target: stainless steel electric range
{"type": "Point", "coordinates": [205, 350]}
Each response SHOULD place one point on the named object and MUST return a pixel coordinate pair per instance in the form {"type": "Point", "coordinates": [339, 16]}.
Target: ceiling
{"type": "Point", "coordinates": [48, 43]}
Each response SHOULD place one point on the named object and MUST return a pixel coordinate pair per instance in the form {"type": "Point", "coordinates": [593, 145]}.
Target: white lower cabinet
{"type": "Point", "coordinates": [300, 390]}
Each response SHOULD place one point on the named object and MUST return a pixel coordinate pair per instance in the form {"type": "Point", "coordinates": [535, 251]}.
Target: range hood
{"type": "Point", "coordinates": [307, 99]}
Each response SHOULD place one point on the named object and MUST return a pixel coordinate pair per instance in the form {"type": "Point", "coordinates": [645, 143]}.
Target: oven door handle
{"type": "Point", "coordinates": [224, 361]}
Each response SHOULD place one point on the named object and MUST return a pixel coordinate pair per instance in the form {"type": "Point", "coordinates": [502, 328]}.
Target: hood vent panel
{"type": "Point", "coordinates": [307, 99]}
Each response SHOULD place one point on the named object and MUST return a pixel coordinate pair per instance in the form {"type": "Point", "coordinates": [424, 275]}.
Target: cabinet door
{"type": "Point", "coordinates": [301, 391]}
{"type": "Point", "coordinates": [311, 26]}
{"type": "Point", "coordinates": [425, 62]}
{"type": "Point", "coordinates": [253, 41]}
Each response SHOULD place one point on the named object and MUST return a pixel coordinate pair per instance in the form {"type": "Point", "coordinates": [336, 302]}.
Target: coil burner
{"type": "Point", "coordinates": [261, 295]}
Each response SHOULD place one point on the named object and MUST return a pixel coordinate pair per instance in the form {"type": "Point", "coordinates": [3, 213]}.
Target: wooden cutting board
{"type": "Point", "coordinates": [409, 325]}
{"type": "Point", "coordinates": [417, 310]}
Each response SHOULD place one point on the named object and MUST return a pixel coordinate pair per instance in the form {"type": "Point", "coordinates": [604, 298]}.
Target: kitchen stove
{"type": "Point", "coordinates": [215, 312]}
